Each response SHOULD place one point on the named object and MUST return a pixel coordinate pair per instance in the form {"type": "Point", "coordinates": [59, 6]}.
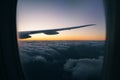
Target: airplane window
{"type": "Point", "coordinates": [61, 39]}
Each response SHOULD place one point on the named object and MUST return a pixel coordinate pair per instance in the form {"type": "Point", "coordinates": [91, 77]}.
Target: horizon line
{"type": "Point", "coordinates": [59, 40]}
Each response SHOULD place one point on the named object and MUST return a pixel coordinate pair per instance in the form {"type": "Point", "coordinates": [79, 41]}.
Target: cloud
{"type": "Point", "coordinates": [84, 69]}
{"type": "Point", "coordinates": [40, 58]}
{"type": "Point", "coordinates": [61, 60]}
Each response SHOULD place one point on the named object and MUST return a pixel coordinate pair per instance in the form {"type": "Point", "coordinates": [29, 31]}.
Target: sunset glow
{"type": "Point", "coordinates": [51, 14]}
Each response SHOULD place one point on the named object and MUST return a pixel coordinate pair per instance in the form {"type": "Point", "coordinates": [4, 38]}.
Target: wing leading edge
{"type": "Point", "coordinates": [26, 34]}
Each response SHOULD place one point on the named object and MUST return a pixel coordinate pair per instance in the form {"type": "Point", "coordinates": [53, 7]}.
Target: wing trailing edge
{"type": "Point", "coordinates": [26, 34]}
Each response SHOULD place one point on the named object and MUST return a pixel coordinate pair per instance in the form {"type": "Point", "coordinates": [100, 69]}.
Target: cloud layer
{"type": "Point", "coordinates": [84, 69]}
{"type": "Point", "coordinates": [62, 60]}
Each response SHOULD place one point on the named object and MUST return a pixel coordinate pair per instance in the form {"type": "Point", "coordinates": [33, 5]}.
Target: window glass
{"type": "Point", "coordinates": [61, 39]}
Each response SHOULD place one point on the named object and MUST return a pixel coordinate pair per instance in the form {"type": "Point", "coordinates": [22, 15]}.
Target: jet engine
{"type": "Point", "coordinates": [51, 32]}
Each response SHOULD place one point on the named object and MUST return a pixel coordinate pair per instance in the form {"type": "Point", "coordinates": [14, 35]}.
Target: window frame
{"type": "Point", "coordinates": [11, 68]}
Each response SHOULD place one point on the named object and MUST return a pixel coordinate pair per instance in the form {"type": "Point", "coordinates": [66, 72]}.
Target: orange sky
{"type": "Point", "coordinates": [42, 15]}
{"type": "Point", "coordinates": [55, 37]}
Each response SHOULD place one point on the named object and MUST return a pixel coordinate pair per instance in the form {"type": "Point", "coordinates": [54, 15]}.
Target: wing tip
{"type": "Point", "coordinates": [92, 24]}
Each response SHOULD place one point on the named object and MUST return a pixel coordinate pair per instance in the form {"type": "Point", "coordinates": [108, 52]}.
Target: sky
{"type": "Point", "coordinates": [51, 14]}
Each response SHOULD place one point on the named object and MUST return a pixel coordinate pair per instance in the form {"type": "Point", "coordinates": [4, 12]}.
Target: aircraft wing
{"type": "Point", "coordinates": [26, 34]}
